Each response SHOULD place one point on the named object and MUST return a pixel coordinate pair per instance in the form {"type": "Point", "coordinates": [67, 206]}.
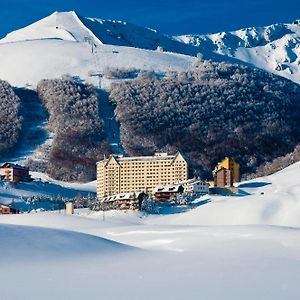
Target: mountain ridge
{"type": "Point", "coordinates": [72, 27]}
{"type": "Point", "coordinates": [274, 48]}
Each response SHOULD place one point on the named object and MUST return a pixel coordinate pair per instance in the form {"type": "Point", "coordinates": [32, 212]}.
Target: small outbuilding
{"type": "Point", "coordinates": [167, 192]}
{"type": "Point", "coordinates": [195, 186]}
{"type": "Point", "coordinates": [7, 210]}
{"type": "Point", "coordinates": [69, 208]}
{"type": "Point", "coordinates": [123, 201]}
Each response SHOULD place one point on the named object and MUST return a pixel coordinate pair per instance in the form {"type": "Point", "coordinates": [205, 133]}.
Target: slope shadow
{"type": "Point", "coordinates": [169, 209]}
{"type": "Point", "coordinates": [254, 184]}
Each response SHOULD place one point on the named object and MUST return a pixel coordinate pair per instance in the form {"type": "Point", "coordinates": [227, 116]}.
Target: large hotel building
{"type": "Point", "coordinates": [118, 174]}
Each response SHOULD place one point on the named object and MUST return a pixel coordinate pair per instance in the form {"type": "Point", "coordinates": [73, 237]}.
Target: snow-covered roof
{"type": "Point", "coordinates": [15, 166]}
{"type": "Point", "coordinates": [157, 156]}
{"type": "Point", "coordinates": [171, 188]}
{"type": "Point", "coordinates": [191, 181]}
{"type": "Point", "coordinates": [146, 158]}
{"type": "Point", "coordinates": [154, 157]}
{"type": "Point", "coordinates": [122, 196]}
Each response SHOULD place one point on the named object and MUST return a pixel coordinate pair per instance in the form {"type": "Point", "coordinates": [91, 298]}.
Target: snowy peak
{"type": "Point", "coordinates": [71, 27]}
{"type": "Point", "coordinates": [275, 48]}
{"type": "Point", "coordinates": [246, 38]}
{"type": "Point", "coordinates": [59, 25]}
{"type": "Point", "coordinates": [64, 43]}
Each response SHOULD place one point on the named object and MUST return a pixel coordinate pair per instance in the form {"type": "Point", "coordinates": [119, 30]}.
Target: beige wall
{"type": "Point", "coordinates": [69, 208]}
{"type": "Point", "coordinates": [139, 174]}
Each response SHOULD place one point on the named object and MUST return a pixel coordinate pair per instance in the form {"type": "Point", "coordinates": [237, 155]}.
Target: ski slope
{"type": "Point", "coordinates": [270, 200]}
{"type": "Point", "coordinates": [25, 63]}
{"type": "Point", "coordinates": [235, 247]}
{"type": "Point", "coordinates": [64, 43]}
{"type": "Point", "coordinates": [72, 27]}
{"type": "Point", "coordinates": [91, 44]}
{"type": "Point", "coordinates": [245, 246]}
{"type": "Point", "coordinates": [62, 26]}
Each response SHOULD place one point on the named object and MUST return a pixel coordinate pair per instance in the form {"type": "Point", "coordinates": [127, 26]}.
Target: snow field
{"type": "Point", "coordinates": [224, 249]}
{"type": "Point", "coordinates": [26, 63]}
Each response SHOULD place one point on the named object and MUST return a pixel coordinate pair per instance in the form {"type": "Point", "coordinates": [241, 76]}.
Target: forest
{"type": "Point", "coordinates": [79, 140]}
{"type": "Point", "coordinates": [11, 118]}
{"type": "Point", "coordinates": [211, 111]}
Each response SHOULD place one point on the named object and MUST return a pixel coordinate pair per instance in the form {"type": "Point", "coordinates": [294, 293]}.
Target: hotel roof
{"type": "Point", "coordinates": [156, 156]}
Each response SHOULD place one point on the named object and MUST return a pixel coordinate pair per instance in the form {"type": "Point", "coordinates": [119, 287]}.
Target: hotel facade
{"type": "Point", "coordinates": [118, 174]}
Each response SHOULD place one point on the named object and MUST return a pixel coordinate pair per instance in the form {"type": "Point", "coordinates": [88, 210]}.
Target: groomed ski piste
{"type": "Point", "coordinates": [225, 247]}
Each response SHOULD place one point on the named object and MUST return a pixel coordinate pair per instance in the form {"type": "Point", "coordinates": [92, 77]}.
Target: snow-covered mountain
{"type": "Point", "coordinates": [274, 48]}
{"type": "Point", "coordinates": [65, 43]}
{"type": "Point", "coordinates": [71, 27]}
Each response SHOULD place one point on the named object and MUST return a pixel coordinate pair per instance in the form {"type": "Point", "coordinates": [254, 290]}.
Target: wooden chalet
{"type": "Point", "coordinates": [123, 201]}
{"type": "Point", "coordinates": [167, 192]}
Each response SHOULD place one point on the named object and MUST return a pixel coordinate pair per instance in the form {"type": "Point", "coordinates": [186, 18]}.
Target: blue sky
{"type": "Point", "coordinates": [167, 16]}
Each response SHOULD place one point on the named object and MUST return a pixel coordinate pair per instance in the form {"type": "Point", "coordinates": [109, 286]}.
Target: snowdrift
{"type": "Point", "coordinates": [27, 244]}
{"type": "Point", "coordinates": [187, 255]}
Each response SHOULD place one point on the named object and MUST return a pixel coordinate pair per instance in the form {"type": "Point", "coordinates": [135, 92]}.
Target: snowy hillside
{"type": "Point", "coordinates": [171, 256]}
{"type": "Point", "coordinates": [71, 27]}
{"type": "Point", "coordinates": [92, 44]}
{"type": "Point", "coordinates": [274, 48]}
{"type": "Point", "coordinates": [45, 187]}
{"type": "Point", "coordinates": [271, 200]}
{"type": "Point", "coordinates": [27, 62]}
{"type": "Point", "coordinates": [63, 26]}
{"type": "Point", "coordinates": [62, 44]}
